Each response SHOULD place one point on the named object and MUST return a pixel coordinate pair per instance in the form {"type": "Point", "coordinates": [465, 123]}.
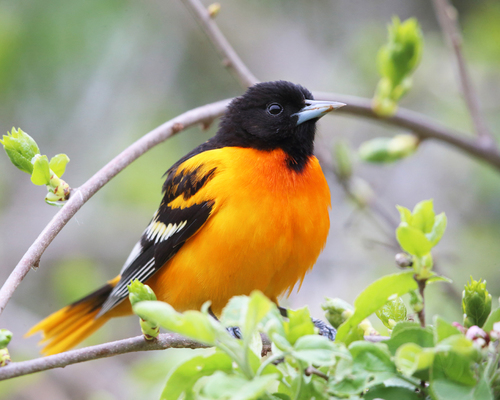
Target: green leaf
{"type": "Point", "coordinates": [391, 393]}
{"type": "Point", "coordinates": [337, 311]}
{"type": "Point", "coordinates": [392, 312]}
{"type": "Point", "coordinates": [234, 312]}
{"type": "Point", "coordinates": [342, 157]}
{"type": "Point", "coordinates": [187, 374]}
{"type": "Point", "coordinates": [410, 332]}
{"type": "Point", "coordinates": [492, 318]}
{"type": "Point", "coordinates": [454, 367]}
{"type": "Point", "coordinates": [423, 216]}
{"type": "Point", "coordinates": [483, 390]}
{"type": "Point", "coordinates": [21, 149]}
{"type": "Point", "coordinates": [410, 357]}
{"type": "Point", "coordinates": [192, 324]}
{"type": "Point", "coordinates": [58, 164]}
{"type": "Point", "coordinates": [443, 330]}
{"type": "Point", "coordinates": [376, 150]}
{"type": "Point", "coordinates": [459, 344]}
{"type": "Point", "coordinates": [317, 350]}
{"type": "Point", "coordinates": [438, 229]}
{"type": "Point", "coordinates": [452, 378]}
{"type": "Point", "coordinates": [258, 307]}
{"type": "Point", "coordinates": [374, 359]}
{"type": "Point", "coordinates": [405, 215]}
{"type": "Point", "coordinates": [139, 292]}
{"type": "Point", "coordinates": [299, 324]}
{"type": "Point", "coordinates": [476, 303]}
{"type": "Point", "coordinates": [223, 386]}
{"type": "Point", "coordinates": [41, 171]}
{"type": "Point", "coordinates": [5, 338]}
{"type": "Point", "coordinates": [412, 240]}
{"type": "Point", "coordinates": [396, 61]}
{"type": "Point", "coordinates": [437, 278]}
{"type": "Point", "coordinates": [374, 297]}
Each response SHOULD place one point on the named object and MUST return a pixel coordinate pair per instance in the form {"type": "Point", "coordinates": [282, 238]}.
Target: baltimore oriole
{"type": "Point", "coordinates": [246, 210]}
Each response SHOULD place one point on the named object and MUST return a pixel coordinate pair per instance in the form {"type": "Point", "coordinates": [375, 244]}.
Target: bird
{"type": "Point", "coordinates": [246, 210]}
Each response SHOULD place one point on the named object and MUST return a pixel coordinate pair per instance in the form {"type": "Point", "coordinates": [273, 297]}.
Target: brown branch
{"type": "Point", "coordinates": [419, 124]}
{"type": "Point", "coordinates": [134, 344]}
{"type": "Point", "coordinates": [313, 371]}
{"type": "Point", "coordinates": [80, 196]}
{"type": "Point", "coordinates": [421, 289]}
{"type": "Point", "coordinates": [447, 17]}
{"type": "Point", "coordinates": [229, 56]}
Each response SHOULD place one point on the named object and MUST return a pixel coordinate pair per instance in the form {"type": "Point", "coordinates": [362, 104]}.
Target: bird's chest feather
{"type": "Point", "coordinates": [268, 226]}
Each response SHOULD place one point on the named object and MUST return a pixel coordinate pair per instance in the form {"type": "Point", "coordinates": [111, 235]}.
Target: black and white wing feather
{"type": "Point", "coordinates": [167, 232]}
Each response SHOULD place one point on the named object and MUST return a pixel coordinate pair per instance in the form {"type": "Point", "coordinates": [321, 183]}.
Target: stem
{"type": "Point", "coordinates": [301, 378]}
{"type": "Point", "coordinates": [138, 343]}
{"type": "Point", "coordinates": [447, 17]}
{"type": "Point", "coordinates": [421, 287]}
{"type": "Point", "coordinates": [226, 51]}
{"type": "Point", "coordinates": [313, 371]}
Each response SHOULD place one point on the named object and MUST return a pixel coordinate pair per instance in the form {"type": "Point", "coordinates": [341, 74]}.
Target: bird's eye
{"type": "Point", "coordinates": [274, 109]}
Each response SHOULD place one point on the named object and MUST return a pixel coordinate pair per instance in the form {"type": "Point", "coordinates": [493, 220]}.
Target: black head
{"type": "Point", "coordinates": [274, 115]}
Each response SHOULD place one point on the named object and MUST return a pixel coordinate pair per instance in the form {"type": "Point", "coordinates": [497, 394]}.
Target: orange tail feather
{"type": "Point", "coordinates": [72, 324]}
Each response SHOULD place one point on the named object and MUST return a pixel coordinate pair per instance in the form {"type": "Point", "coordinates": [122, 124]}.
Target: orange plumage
{"type": "Point", "coordinates": [261, 222]}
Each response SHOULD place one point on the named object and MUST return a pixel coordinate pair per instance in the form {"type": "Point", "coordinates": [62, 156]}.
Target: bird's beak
{"type": "Point", "coordinates": [316, 109]}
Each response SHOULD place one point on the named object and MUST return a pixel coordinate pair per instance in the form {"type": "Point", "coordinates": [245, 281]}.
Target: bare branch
{"type": "Point", "coordinates": [138, 343]}
{"type": "Point", "coordinates": [225, 50]}
{"type": "Point", "coordinates": [419, 124]}
{"type": "Point", "coordinates": [80, 196]}
{"type": "Point", "coordinates": [447, 17]}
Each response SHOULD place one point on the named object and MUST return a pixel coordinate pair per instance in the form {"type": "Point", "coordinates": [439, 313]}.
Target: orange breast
{"type": "Point", "coordinates": [268, 226]}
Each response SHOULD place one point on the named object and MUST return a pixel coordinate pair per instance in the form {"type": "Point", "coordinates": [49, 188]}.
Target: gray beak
{"type": "Point", "coordinates": [316, 109]}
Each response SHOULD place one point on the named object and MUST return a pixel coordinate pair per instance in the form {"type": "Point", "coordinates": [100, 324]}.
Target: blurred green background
{"type": "Point", "coordinates": [87, 78]}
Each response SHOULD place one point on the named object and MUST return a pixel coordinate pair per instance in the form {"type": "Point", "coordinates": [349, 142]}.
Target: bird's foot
{"type": "Point", "coordinates": [325, 329]}
{"type": "Point", "coordinates": [235, 332]}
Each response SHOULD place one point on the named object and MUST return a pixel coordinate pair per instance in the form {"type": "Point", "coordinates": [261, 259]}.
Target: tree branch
{"type": "Point", "coordinates": [134, 344]}
{"type": "Point", "coordinates": [225, 50]}
{"type": "Point", "coordinates": [447, 17]}
{"type": "Point", "coordinates": [80, 196]}
{"type": "Point", "coordinates": [419, 124]}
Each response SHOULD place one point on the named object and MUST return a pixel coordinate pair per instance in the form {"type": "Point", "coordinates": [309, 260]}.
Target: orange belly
{"type": "Point", "coordinates": [268, 226]}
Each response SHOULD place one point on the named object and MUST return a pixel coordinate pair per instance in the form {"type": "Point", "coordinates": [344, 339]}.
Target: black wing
{"type": "Point", "coordinates": [167, 232]}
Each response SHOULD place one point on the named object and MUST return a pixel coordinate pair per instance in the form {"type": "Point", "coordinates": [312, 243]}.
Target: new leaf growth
{"type": "Point", "coordinates": [418, 232]}
{"type": "Point", "coordinates": [476, 303]}
{"type": "Point", "coordinates": [396, 62]}
{"type": "Point", "coordinates": [25, 155]}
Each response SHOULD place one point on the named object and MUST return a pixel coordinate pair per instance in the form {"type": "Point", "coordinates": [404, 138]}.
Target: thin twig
{"type": "Point", "coordinates": [96, 182]}
{"type": "Point", "coordinates": [419, 124]}
{"type": "Point", "coordinates": [421, 289]}
{"type": "Point", "coordinates": [447, 17]}
{"type": "Point", "coordinates": [230, 57]}
{"type": "Point", "coordinates": [313, 371]}
{"type": "Point", "coordinates": [134, 344]}
{"type": "Point", "coordinates": [138, 343]}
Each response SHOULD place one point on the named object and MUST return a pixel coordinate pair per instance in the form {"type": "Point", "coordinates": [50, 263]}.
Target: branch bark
{"type": "Point", "coordinates": [134, 344]}
{"type": "Point", "coordinates": [419, 124]}
{"type": "Point", "coordinates": [447, 17]}
{"type": "Point", "coordinates": [230, 57]}
{"type": "Point", "coordinates": [80, 196]}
